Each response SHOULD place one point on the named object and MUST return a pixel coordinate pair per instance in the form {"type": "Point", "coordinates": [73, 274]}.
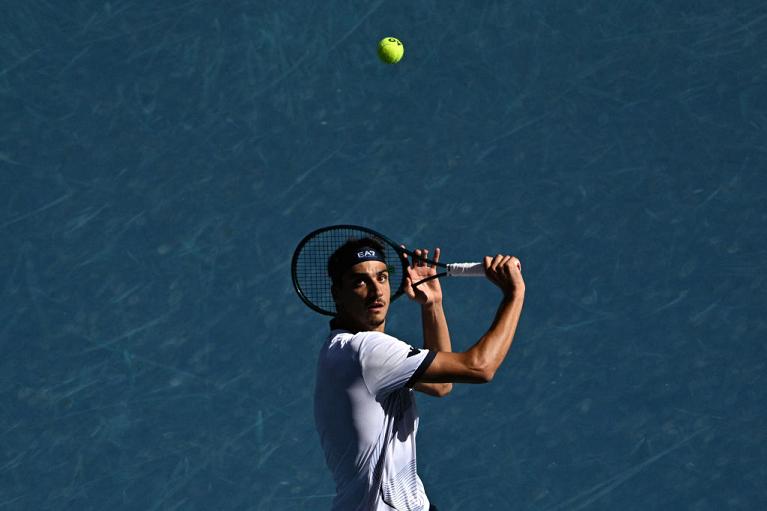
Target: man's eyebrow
{"type": "Point", "coordinates": [363, 274]}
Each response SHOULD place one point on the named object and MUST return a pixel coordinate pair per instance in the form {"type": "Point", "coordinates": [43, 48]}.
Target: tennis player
{"type": "Point", "coordinates": [364, 407]}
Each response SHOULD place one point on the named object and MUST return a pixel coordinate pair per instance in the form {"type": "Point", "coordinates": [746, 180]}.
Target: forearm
{"type": "Point", "coordinates": [436, 336]}
{"type": "Point", "coordinates": [490, 351]}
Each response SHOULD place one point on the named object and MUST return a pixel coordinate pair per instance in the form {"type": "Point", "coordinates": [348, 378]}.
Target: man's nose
{"type": "Point", "coordinates": [377, 289]}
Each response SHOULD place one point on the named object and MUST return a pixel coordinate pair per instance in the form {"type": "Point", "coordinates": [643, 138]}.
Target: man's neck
{"type": "Point", "coordinates": [341, 323]}
{"type": "Point", "coordinates": [337, 324]}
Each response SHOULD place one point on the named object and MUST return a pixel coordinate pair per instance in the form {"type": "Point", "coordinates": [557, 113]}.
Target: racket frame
{"type": "Point", "coordinates": [398, 248]}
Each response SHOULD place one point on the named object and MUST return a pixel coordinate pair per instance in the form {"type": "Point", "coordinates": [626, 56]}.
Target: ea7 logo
{"type": "Point", "coordinates": [366, 253]}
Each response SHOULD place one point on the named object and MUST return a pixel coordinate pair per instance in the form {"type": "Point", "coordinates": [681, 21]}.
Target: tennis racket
{"type": "Point", "coordinates": [309, 267]}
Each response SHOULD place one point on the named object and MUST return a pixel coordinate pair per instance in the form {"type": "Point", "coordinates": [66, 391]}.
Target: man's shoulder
{"type": "Point", "coordinates": [338, 335]}
{"type": "Point", "coordinates": [361, 340]}
{"type": "Point", "coordinates": [373, 337]}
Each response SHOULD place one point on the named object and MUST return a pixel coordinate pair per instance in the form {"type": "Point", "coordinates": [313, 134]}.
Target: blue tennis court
{"type": "Point", "coordinates": [159, 162]}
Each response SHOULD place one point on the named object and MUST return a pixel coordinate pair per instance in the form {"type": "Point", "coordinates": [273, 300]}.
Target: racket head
{"type": "Point", "coordinates": [309, 266]}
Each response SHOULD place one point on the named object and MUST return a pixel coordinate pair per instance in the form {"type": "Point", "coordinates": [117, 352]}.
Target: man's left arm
{"type": "Point", "coordinates": [436, 336]}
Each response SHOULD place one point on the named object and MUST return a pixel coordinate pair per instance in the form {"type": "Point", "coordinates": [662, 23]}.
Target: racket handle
{"type": "Point", "coordinates": [466, 270]}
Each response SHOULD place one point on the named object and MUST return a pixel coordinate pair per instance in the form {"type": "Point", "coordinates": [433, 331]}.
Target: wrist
{"type": "Point", "coordinates": [514, 296]}
{"type": "Point", "coordinates": [432, 304]}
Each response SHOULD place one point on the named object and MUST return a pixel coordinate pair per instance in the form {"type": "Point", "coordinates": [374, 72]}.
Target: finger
{"type": "Point", "coordinates": [413, 259]}
{"type": "Point", "coordinates": [489, 263]}
{"type": "Point", "coordinates": [425, 256]}
{"type": "Point", "coordinates": [420, 257]}
{"type": "Point", "coordinates": [505, 260]}
{"type": "Point", "coordinates": [409, 262]}
{"type": "Point", "coordinates": [403, 253]}
{"type": "Point", "coordinates": [436, 255]}
{"type": "Point", "coordinates": [409, 291]}
{"type": "Point", "coordinates": [497, 260]}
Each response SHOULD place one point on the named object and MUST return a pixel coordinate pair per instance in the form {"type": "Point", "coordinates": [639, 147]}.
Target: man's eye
{"type": "Point", "coordinates": [383, 277]}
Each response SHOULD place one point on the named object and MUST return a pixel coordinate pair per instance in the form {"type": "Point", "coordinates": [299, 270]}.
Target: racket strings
{"type": "Point", "coordinates": [311, 265]}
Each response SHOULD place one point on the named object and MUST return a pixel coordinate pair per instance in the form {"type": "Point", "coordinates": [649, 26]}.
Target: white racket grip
{"type": "Point", "coordinates": [466, 270]}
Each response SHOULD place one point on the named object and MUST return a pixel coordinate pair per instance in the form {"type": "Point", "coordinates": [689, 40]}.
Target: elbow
{"type": "Point", "coordinates": [440, 389]}
{"type": "Point", "coordinates": [434, 389]}
{"type": "Point", "coordinates": [486, 375]}
{"type": "Point", "coordinates": [483, 371]}
{"type": "Point", "coordinates": [486, 372]}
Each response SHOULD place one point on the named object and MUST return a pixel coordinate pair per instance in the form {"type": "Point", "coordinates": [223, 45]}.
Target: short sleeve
{"type": "Point", "coordinates": [388, 363]}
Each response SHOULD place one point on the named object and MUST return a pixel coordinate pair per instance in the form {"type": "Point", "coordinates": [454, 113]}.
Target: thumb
{"type": "Point", "coordinates": [409, 287]}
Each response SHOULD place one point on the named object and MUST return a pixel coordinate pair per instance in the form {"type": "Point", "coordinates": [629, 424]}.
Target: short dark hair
{"type": "Point", "coordinates": [337, 262]}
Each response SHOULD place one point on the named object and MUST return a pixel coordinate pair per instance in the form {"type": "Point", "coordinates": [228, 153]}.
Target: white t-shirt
{"type": "Point", "coordinates": [365, 414]}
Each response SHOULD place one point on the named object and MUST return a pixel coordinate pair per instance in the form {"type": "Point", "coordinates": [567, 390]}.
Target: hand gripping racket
{"type": "Point", "coordinates": [309, 267]}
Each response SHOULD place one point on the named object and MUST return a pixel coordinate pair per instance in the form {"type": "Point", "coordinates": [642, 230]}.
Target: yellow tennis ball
{"type": "Point", "coordinates": [390, 50]}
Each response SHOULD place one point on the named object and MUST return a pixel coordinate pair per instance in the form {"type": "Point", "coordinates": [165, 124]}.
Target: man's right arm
{"type": "Point", "coordinates": [479, 363]}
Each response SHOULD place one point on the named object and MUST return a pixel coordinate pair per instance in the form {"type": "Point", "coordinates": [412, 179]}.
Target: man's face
{"type": "Point", "coordinates": [362, 299]}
